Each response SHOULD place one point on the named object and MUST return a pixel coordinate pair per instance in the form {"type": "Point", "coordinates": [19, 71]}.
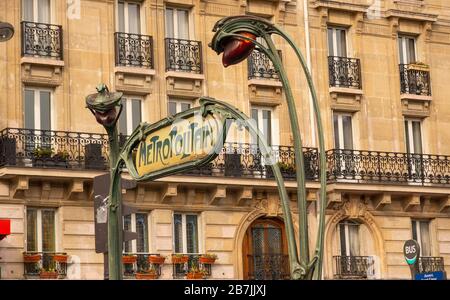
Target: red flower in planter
{"type": "Point", "coordinates": [236, 50]}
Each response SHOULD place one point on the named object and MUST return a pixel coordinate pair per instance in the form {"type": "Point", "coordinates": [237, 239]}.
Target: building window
{"type": "Point", "coordinates": [349, 238]}
{"type": "Point", "coordinates": [129, 17]}
{"type": "Point", "coordinates": [185, 233]}
{"type": "Point", "coordinates": [37, 112]}
{"type": "Point", "coordinates": [343, 132]}
{"type": "Point", "coordinates": [177, 23]}
{"type": "Point", "coordinates": [40, 230]}
{"type": "Point", "coordinates": [421, 233]}
{"type": "Point", "coordinates": [413, 135]}
{"type": "Point", "coordinates": [137, 223]}
{"type": "Point", "coordinates": [407, 49]}
{"type": "Point", "coordinates": [176, 106]}
{"type": "Point", "coordinates": [36, 11]}
{"type": "Point", "coordinates": [337, 42]}
{"type": "Point", "coordinates": [131, 115]}
{"type": "Point", "coordinates": [263, 117]}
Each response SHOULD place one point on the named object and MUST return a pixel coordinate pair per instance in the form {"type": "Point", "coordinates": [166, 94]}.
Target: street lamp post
{"type": "Point", "coordinates": [106, 108]}
{"type": "Point", "coordinates": [235, 37]}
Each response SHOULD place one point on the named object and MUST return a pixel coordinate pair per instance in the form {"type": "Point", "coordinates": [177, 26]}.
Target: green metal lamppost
{"type": "Point", "coordinates": [106, 108]}
{"type": "Point", "coordinates": [235, 37]}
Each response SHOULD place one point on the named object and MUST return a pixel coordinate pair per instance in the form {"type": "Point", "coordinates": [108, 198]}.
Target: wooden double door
{"type": "Point", "coordinates": [265, 255]}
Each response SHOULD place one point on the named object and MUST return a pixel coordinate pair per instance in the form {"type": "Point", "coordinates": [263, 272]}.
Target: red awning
{"type": "Point", "coordinates": [5, 227]}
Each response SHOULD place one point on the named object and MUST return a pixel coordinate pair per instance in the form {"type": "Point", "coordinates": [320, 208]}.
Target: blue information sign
{"type": "Point", "coordinates": [431, 276]}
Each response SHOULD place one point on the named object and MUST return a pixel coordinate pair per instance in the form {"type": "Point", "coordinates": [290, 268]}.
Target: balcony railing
{"type": "Point", "coordinates": [45, 264]}
{"type": "Point", "coordinates": [44, 40]}
{"type": "Point", "coordinates": [387, 167]}
{"type": "Point", "coordinates": [414, 80]}
{"type": "Point", "coordinates": [344, 72]}
{"type": "Point", "coordinates": [75, 150]}
{"type": "Point", "coordinates": [354, 266]}
{"type": "Point", "coordinates": [184, 56]}
{"type": "Point", "coordinates": [136, 264]}
{"type": "Point", "coordinates": [53, 149]}
{"type": "Point", "coordinates": [430, 264]}
{"type": "Point", "coordinates": [134, 50]}
{"type": "Point", "coordinates": [268, 266]}
{"type": "Point", "coordinates": [183, 264]}
{"type": "Point", "coordinates": [260, 66]}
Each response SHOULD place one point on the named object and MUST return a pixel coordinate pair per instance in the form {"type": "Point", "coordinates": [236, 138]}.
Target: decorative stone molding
{"type": "Point", "coordinates": [416, 105]}
{"type": "Point", "coordinates": [265, 92]}
{"type": "Point", "coordinates": [134, 80]}
{"type": "Point", "coordinates": [411, 15]}
{"type": "Point", "coordinates": [182, 83]}
{"type": "Point", "coordinates": [346, 99]}
{"type": "Point", "coordinates": [42, 71]}
{"type": "Point", "coordinates": [338, 5]}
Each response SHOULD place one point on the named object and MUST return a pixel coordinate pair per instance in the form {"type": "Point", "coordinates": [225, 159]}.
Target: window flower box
{"type": "Point", "coordinates": [194, 275]}
{"type": "Point", "coordinates": [48, 275]}
{"type": "Point", "coordinates": [155, 259]}
{"type": "Point", "coordinates": [180, 259]}
{"type": "Point", "coordinates": [129, 259]}
{"type": "Point", "coordinates": [31, 258]}
{"type": "Point", "coordinates": [419, 66]}
{"type": "Point", "coordinates": [207, 258]}
{"type": "Point", "coordinates": [61, 258]}
{"type": "Point", "coordinates": [146, 276]}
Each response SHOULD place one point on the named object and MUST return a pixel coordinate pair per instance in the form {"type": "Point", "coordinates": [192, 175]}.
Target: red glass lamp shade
{"type": "Point", "coordinates": [106, 118]}
{"type": "Point", "coordinates": [5, 228]}
{"type": "Point", "coordinates": [236, 50]}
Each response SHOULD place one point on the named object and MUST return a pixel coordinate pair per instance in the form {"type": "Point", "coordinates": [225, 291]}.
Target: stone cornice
{"type": "Point", "coordinates": [331, 4]}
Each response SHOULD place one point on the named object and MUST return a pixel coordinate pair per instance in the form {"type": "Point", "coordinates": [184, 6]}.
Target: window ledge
{"type": "Point", "coordinates": [185, 75]}
{"type": "Point", "coordinates": [42, 61]}
{"type": "Point", "coordinates": [415, 97]}
{"type": "Point", "coordinates": [265, 82]}
{"type": "Point", "coordinates": [134, 70]}
{"type": "Point", "coordinates": [349, 91]}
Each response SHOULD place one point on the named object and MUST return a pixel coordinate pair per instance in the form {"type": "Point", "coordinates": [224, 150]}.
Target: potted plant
{"type": "Point", "coordinates": [48, 274]}
{"type": "Point", "coordinates": [31, 257]}
{"type": "Point", "coordinates": [129, 259]}
{"type": "Point", "coordinates": [156, 259]}
{"type": "Point", "coordinates": [61, 258]}
{"type": "Point", "coordinates": [152, 273]}
{"type": "Point", "coordinates": [207, 258]}
{"type": "Point", "coordinates": [195, 273]}
{"type": "Point", "coordinates": [60, 158]}
{"type": "Point", "coordinates": [41, 155]}
{"type": "Point", "coordinates": [180, 258]}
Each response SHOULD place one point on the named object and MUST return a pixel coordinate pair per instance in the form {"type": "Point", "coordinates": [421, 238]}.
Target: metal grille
{"type": "Point", "coordinates": [430, 264]}
{"type": "Point", "coordinates": [414, 81]}
{"type": "Point", "coordinates": [354, 266]}
{"type": "Point", "coordinates": [344, 72]}
{"type": "Point", "coordinates": [135, 50]}
{"type": "Point", "coordinates": [40, 39]}
{"type": "Point", "coordinates": [47, 262]}
{"type": "Point", "coordinates": [260, 66]}
{"type": "Point", "coordinates": [183, 55]}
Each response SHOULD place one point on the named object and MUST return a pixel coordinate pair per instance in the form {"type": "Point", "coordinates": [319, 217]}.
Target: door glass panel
{"type": "Point", "coordinates": [172, 108]}
{"type": "Point", "coordinates": [191, 234]}
{"type": "Point", "coordinates": [411, 51]}
{"type": "Point", "coordinates": [267, 126]}
{"type": "Point", "coordinates": [348, 134]}
{"type": "Point", "coordinates": [425, 238]}
{"type": "Point", "coordinates": [336, 131]}
{"type": "Point", "coordinates": [330, 42]}
{"type": "Point", "coordinates": [354, 239]}
{"type": "Point", "coordinates": [178, 233]}
{"type": "Point", "coordinates": [342, 241]}
{"type": "Point", "coordinates": [142, 233]}
{"type": "Point", "coordinates": [342, 43]}
{"type": "Point", "coordinates": [258, 241]}
{"type": "Point", "coordinates": [134, 20]}
{"type": "Point", "coordinates": [184, 107]}
{"type": "Point", "coordinates": [169, 23]}
{"type": "Point", "coordinates": [27, 10]}
{"type": "Point", "coordinates": [127, 227]}
{"type": "Point", "coordinates": [400, 50]}
{"type": "Point", "coordinates": [183, 24]}
{"type": "Point", "coordinates": [29, 109]}
{"type": "Point", "coordinates": [417, 135]}
{"type": "Point", "coordinates": [48, 231]}
{"type": "Point", "coordinates": [44, 11]}
{"type": "Point", "coordinates": [32, 230]}
{"type": "Point", "coordinates": [121, 13]}
{"type": "Point", "coordinates": [45, 110]}
{"type": "Point", "coordinates": [136, 115]}
{"type": "Point", "coordinates": [123, 118]}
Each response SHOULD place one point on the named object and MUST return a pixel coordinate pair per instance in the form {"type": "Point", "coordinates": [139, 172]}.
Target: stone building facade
{"type": "Point", "coordinates": [380, 69]}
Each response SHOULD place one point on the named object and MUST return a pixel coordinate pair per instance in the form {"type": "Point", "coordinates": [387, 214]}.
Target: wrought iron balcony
{"type": "Point", "coordinates": [387, 167]}
{"type": "Point", "coordinates": [344, 72]}
{"type": "Point", "coordinates": [53, 149]}
{"type": "Point", "coordinates": [354, 266]}
{"type": "Point", "coordinates": [44, 40]}
{"type": "Point", "coordinates": [415, 79]}
{"type": "Point", "coordinates": [47, 265]}
{"type": "Point", "coordinates": [430, 264]}
{"type": "Point", "coordinates": [268, 266]}
{"type": "Point", "coordinates": [134, 50]}
{"type": "Point", "coordinates": [260, 66]}
{"type": "Point", "coordinates": [184, 56]}
{"type": "Point", "coordinates": [139, 265]}
{"type": "Point", "coordinates": [185, 264]}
